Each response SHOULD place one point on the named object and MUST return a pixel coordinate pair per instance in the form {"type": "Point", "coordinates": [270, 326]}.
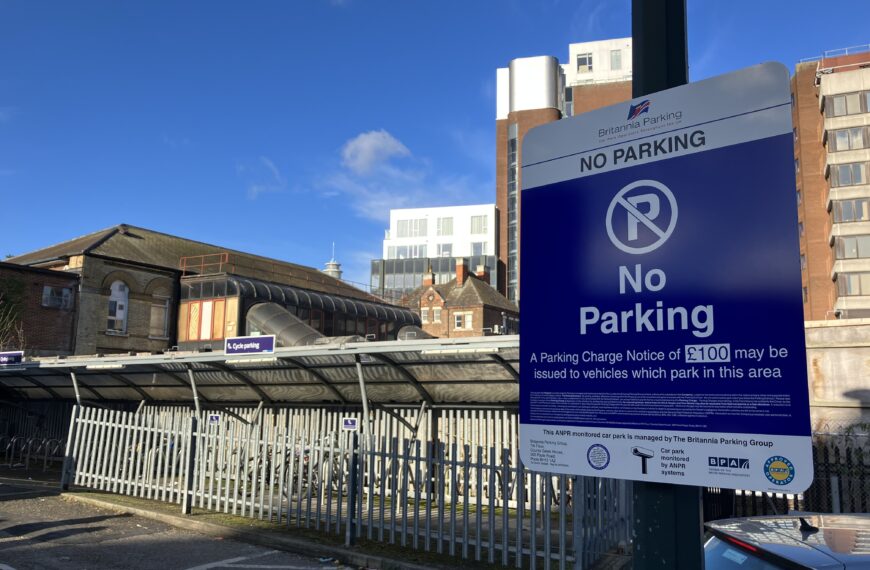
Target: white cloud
{"type": "Point", "coordinates": [363, 153]}
{"type": "Point", "coordinates": [261, 176]}
{"type": "Point", "coordinates": [379, 186]}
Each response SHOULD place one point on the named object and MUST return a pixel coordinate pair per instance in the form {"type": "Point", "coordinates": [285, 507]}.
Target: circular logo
{"type": "Point", "coordinates": [641, 210]}
{"type": "Point", "coordinates": [779, 470]}
{"type": "Point", "coordinates": [598, 456]}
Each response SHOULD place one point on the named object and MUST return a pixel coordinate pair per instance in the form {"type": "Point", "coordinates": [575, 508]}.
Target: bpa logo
{"type": "Point", "coordinates": [728, 462]}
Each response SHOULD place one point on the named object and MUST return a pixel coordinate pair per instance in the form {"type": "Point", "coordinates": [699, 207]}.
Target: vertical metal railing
{"type": "Point", "coordinates": [295, 468]}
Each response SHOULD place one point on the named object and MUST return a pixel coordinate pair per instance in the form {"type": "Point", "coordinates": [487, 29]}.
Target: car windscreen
{"type": "Point", "coordinates": [719, 555]}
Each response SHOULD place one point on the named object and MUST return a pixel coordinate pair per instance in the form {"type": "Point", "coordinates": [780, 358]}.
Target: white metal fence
{"type": "Point", "coordinates": [299, 469]}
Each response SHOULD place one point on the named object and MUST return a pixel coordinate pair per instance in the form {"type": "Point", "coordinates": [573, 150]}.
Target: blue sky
{"type": "Point", "coordinates": [280, 127]}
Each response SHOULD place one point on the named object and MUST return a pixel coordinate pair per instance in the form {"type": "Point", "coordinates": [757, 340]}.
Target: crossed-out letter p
{"type": "Point", "coordinates": [652, 212]}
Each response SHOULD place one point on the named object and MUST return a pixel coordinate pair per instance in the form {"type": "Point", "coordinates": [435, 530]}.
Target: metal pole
{"type": "Point", "coordinates": [76, 387]}
{"type": "Point", "coordinates": [659, 53]}
{"type": "Point", "coordinates": [68, 459]}
{"type": "Point", "coordinates": [365, 402]}
{"type": "Point", "coordinates": [668, 519]}
{"type": "Point", "coordinates": [195, 391]}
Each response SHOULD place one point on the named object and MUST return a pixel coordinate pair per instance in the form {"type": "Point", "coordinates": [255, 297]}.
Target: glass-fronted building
{"type": "Point", "coordinates": [392, 279]}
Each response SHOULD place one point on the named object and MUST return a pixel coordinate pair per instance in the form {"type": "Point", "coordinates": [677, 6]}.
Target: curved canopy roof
{"type": "Point", "coordinates": [446, 372]}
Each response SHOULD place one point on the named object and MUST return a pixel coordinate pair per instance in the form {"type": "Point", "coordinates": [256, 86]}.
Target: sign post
{"type": "Point", "coordinates": [672, 348]}
{"type": "Point", "coordinates": [669, 519]}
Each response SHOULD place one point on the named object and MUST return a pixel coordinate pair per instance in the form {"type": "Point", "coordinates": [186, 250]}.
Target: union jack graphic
{"type": "Point", "coordinates": [635, 111]}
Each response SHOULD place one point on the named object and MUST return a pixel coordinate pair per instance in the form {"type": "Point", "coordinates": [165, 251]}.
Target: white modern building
{"type": "Point", "coordinates": [598, 62]}
{"type": "Point", "coordinates": [450, 231]}
{"type": "Point", "coordinates": [422, 238]}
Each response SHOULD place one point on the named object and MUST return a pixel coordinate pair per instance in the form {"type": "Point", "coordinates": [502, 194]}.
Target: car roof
{"type": "Point", "coordinates": [841, 540]}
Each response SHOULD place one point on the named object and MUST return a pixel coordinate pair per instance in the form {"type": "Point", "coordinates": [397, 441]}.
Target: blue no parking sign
{"type": "Point", "coordinates": [662, 322]}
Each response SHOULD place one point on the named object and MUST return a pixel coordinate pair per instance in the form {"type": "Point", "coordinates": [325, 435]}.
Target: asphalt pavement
{"type": "Point", "coordinates": [41, 530]}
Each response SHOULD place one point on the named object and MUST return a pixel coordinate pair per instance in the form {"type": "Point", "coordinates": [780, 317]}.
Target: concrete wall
{"type": "Point", "coordinates": [838, 365]}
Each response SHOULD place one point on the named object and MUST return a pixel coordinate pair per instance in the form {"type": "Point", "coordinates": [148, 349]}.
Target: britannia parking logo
{"type": "Point", "coordinates": [779, 470]}
{"type": "Point", "coordinates": [641, 217]}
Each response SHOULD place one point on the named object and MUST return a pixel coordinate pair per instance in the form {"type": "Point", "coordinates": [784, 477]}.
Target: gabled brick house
{"type": "Point", "coordinates": [466, 306]}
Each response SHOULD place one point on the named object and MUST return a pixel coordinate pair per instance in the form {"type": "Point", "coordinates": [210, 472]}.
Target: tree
{"type": "Point", "coordinates": [11, 306]}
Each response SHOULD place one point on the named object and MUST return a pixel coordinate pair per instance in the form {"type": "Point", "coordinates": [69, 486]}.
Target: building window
{"type": "Point", "coordinates": [803, 262]}
{"type": "Point", "coordinates": [445, 250]}
{"type": "Point", "coordinates": [852, 247]}
{"type": "Point", "coordinates": [407, 251]}
{"type": "Point", "coordinates": [159, 318]}
{"type": "Point", "coordinates": [615, 59]}
{"type": "Point", "coordinates": [584, 62]}
{"type": "Point", "coordinates": [569, 101]}
{"type": "Point", "coordinates": [478, 224]}
{"type": "Point", "coordinates": [512, 213]}
{"type": "Point", "coordinates": [794, 134]}
{"type": "Point", "coordinates": [797, 166]}
{"type": "Point", "coordinates": [436, 314]}
{"type": "Point", "coordinates": [846, 104]}
{"type": "Point", "coordinates": [424, 315]}
{"type": "Point", "coordinates": [478, 248]}
{"type": "Point", "coordinates": [462, 321]}
{"type": "Point", "coordinates": [849, 174]}
{"type": "Point", "coordinates": [849, 139]}
{"type": "Point", "coordinates": [801, 229]}
{"type": "Point", "coordinates": [444, 227]}
{"type": "Point", "coordinates": [853, 284]}
{"type": "Point", "coordinates": [117, 322]}
{"type": "Point", "coordinates": [857, 210]}
{"type": "Point", "coordinates": [806, 294]}
{"type": "Point", "coordinates": [411, 228]}
{"type": "Point", "coordinates": [799, 199]}
{"type": "Point", "coordinates": [57, 297]}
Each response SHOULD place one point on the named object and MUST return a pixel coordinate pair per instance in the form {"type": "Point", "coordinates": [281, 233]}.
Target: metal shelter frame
{"type": "Point", "coordinates": [481, 371]}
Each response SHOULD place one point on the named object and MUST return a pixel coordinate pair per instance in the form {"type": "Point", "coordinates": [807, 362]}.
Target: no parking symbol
{"type": "Point", "coordinates": [638, 210]}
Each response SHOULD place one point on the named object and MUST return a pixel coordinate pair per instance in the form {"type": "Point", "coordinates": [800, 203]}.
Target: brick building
{"type": "Point", "coordinates": [533, 91]}
{"type": "Point", "coordinates": [831, 114]}
{"type": "Point", "coordinates": [465, 306]}
{"type": "Point", "coordinates": [38, 310]}
{"type": "Point", "coordinates": [145, 291]}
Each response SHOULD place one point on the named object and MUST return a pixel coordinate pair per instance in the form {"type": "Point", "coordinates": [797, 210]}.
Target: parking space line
{"type": "Point", "coordinates": [230, 561]}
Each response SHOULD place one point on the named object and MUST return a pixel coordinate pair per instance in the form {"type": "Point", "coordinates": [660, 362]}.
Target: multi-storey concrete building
{"type": "Point", "coordinates": [533, 91]}
{"type": "Point", "coordinates": [424, 240]}
{"type": "Point", "coordinates": [831, 106]}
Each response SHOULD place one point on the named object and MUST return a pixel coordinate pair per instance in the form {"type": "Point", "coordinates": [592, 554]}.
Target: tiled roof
{"type": "Point", "coordinates": [141, 245]}
{"type": "Point", "coordinates": [473, 292]}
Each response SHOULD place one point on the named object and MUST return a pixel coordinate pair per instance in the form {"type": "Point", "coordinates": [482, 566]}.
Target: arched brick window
{"type": "Point", "coordinates": [117, 322]}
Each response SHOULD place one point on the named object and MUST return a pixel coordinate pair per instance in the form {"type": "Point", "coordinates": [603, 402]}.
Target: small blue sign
{"type": "Point", "coordinates": [250, 345]}
{"type": "Point", "coordinates": [349, 424]}
{"type": "Point", "coordinates": [214, 419]}
{"type": "Point", "coordinates": [14, 357]}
